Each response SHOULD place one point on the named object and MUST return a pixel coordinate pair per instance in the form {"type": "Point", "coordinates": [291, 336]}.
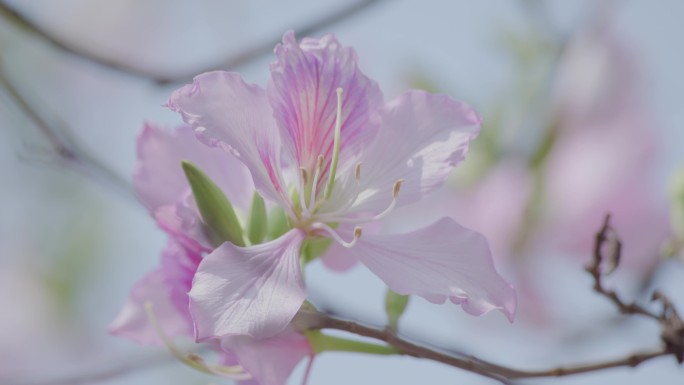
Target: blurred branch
{"type": "Point", "coordinates": [67, 152]}
{"type": "Point", "coordinates": [117, 371]}
{"type": "Point", "coordinates": [240, 59]}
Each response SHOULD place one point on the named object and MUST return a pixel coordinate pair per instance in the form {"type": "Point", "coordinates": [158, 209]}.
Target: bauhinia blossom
{"type": "Point", "coordinates": [164, 190]}
{"type": "Point", "coordinates": [321, 144]}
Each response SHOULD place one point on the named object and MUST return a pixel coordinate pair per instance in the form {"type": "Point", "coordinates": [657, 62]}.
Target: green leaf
{"type": "Point", "coordinates": [395, 305]}
{"type": "Point", "coordinates": [256, 231]}
{"type": "Point", "coordinates": [215, 208]}
{"type": "Point", "coordinates": [278, 223]}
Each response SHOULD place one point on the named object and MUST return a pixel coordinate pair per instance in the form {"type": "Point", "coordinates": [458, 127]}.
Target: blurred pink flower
{"type": "Point", "coordinates": [604, 156]}
{"type": "Point", "coordinates": [322, 131]}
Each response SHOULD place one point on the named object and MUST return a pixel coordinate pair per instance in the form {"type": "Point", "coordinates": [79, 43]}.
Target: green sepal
{"type": "Point", "coordinates": [256, 231]}
{"type": "Point", "coordinates": [278, 223]}
{"type": "Point", "coordinates": [395, 305]}
{"type": "Point", "coordinates": [324, 343]}
{"type": "Point", "coordinates": [214, 207]}
{"type": "Point", "coordinates": [314, 247]}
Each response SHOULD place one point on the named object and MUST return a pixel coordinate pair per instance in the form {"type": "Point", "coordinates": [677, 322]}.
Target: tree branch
{"type": "Point", "coordinates": [476, 365]}
{"type": "Point", "coordinates": [672, 327]}
{"type": "Point", "coordinates": [238, 60]}
{"type": "Point", "coordinates": [68, 153]}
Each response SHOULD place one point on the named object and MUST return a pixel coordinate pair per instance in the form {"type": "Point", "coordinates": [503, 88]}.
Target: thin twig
{"type": "Point", "coordinates": [117, 371]}
{"type": "Point", "coordinates": [603, 236]}
{"type": "Point", "coordinates": [245, 57]}
{"type": "Point", "coordinates": [67, 152]}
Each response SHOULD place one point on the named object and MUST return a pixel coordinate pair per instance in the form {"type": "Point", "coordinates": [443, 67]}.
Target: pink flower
{"type": "Point", "coordinates": [607, 143]}
{"type": "Point", "coordinates": [321, 144]}
{"type": "Point", "coordinates": [162, 188]}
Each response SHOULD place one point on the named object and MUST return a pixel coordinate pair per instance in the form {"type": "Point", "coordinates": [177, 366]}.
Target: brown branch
{"type": "Point", "coordinates": [606, 237]}
{"type": "Point", "coordinates": [473, 364]}
{"type": "Point", "coordinates": [240, 59]}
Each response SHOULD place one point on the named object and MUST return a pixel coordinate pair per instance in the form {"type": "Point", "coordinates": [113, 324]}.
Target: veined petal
{"type": "Point", "coordinates": [166, 289]}
{"type": "Point", "coordinates": [439, 262]}
{"type": "Point", "coordinates": [423, 136]}
{"type": "Point", "coordinates": [302, 92]}
{"type": "Point", "coordinates": [236, 116]}
{"type": "Point", "coordinates": [253, 290]}
{"type": "Point", "coordinates": [270, 361]}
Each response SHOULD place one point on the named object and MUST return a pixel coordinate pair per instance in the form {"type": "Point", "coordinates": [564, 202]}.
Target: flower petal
{"type": "Point", "coordinates": [253, 290]}
{"type": "Point", "coordinates": [303, 94]}
{"type": "Point", "coordinates": [270, 361]}
{"type": "Point", "coordinates": [159, 179]}
{"type": "Point", "coordinates": [236, 116]}
{"type": "Point", "coordinates": [423, 136]}
{"type": "Point", "coordinates": [438, 262]}
{"type": "Point", "coordinates": [166, 289]}
{"type": "Point", "coordinates": [163, 188]}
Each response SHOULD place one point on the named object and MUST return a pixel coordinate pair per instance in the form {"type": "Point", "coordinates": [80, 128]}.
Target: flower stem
{"type": "Point", "coordinates": [324, 343]}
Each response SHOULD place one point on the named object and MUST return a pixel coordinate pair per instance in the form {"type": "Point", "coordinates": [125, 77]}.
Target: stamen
{"type": "Point", "coordinates": [336, 145]}
{"type": "Point", "coordinates": [396, 188]}
{"type": "Point", "coordinates": [334, 235]}
{"type": "Point", "coordinates": [357, 171]}
{"type": "Point", "coordinates": [395, 193]}
{"type": "Point", "coordinates": [302, 190]}
{"type": "Point", "coordinates": [304, 175]}
{"type": "Point", "coordinates": [317, 174]}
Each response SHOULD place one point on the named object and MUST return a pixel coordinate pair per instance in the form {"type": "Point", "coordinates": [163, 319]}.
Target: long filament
{"type": "Point", "coordinates": [336, 144]}
{"type": "Point", "coordinates": [334, 235]}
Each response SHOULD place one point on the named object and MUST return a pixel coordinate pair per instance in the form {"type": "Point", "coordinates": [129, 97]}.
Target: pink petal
{"type": "Point", "coordinates": [303, 95]}
{"type": "Point", "coordinates": [159, 179]}
{"type": "Point", "coordinates": [166, 289]}
{"type": "Point", "coordinates": [338, 258]}
{"type": "Point", "coordinates": [162, 187]}
{"type": "Point", "coordinates": [423, 136]}
{"type": "Point", "coordinates": [270, 361]}
{"type": "Point", "coordinates": [440, 261]}
{"type": "Point", "coordinates": [234, 115]}
{"type": "Point", "coordinates": [253, 290]}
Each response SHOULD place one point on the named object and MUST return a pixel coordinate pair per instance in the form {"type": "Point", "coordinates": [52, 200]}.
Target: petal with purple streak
{"type": "Point", "coordinates": [166, 289]}
{"type": "Point", "coordinates": [303, 94]}
{"type": "Point", "coordinates": [229, 113]}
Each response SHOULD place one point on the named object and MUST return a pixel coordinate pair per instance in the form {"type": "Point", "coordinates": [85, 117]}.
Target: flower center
{"type": "Point", "coordinates": [310, 199]}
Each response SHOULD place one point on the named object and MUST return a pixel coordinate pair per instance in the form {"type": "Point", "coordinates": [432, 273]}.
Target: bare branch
{"type": "Point", "coordinates": [67, 152]}
{"type": "Point", "coordinates": [240, 59]}
{"type": "Point", "coordinates": [476, 365]}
